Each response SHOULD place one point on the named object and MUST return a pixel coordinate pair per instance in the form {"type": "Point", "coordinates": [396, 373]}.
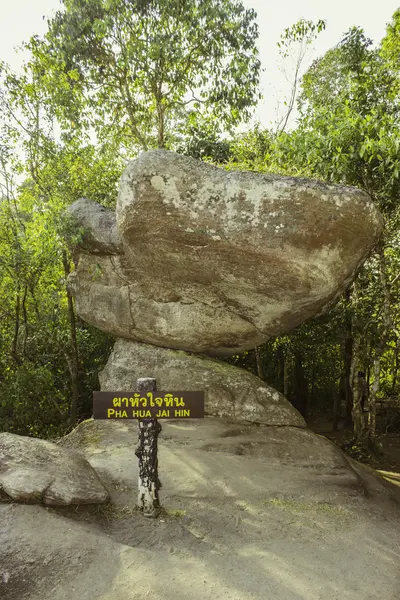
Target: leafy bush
{"type": "Point", "coordinates": [31, 403]}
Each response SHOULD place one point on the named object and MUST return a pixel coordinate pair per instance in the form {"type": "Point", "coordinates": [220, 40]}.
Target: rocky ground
{"type": "Point", "coordinates": [250, 513]}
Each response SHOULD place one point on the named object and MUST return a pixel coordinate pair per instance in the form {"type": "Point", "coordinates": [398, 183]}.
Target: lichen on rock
{"type": "Point", "coordinates": [205, 260]}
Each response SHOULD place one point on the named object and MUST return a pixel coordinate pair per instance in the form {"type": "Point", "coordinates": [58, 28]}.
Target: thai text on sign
{"type": "Point", "coordinates": [151, 405]}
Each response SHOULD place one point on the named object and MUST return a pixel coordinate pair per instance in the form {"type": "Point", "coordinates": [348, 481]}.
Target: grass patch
{"type": "Point", "coordinates": [85, 434]}
{"type": "Point", "coordinates": [391, 477]}
{"type": "Point", "coordinates": [110, 511]}
{"type": "Point", "coordinates": [176, 513]}
{"type": "Point", "coordinates": [92, 439]}
{"type": "Point", "coordinates": [301, 507]}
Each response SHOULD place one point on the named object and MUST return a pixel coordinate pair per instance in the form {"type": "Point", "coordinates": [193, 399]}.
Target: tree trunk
{"type": "Point", "coordinates": [395, 366]}
{"type": "Point", "coordinates": [259, 369]}
{"type": "Point", "coordinates": [73, 373]}
{"type": "Point", "coordinates": [386, 329]}
{"type": "Point", "coordinates": [146, 451]}
{"type": "Point", "coordinates": [25, 316]}
{"type": "Point", "coordinates": [285, 374]}
{"type": "Point", "coordinates": [301, 387]}
{"type": "Point", "coordinates": [336, 410]}
{"type": "Point", "coordinates": [349, 402]}
{"type": "Point", "coordinates": [312, 389]}
{"type": "Point", "coordinates": [14, 344]}
{"type": "Point", "coordinates": [357, 412]}
{"type": "Point", "coordinates": [347, 360]}
{"type": "Point", "coordinates": [73, 357]}
{"type": "Point", "coordinates": [161, 125]}
{"type": "Point", "coordinates": [372, 398]}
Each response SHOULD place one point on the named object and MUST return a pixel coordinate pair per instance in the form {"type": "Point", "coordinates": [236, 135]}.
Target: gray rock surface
{"type": "Point", "coordinates": [38, 471]}
{"type": "Point", "coordinates": [99, 229]}
{"type": "Point", "coordinates": [230, 392]}
{"type": "Point", "coordinates": [214, 261]}
{"type": "Point", "coordinates": [251, 513]}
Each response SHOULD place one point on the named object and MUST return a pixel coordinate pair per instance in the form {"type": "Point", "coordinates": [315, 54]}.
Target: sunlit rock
{"type": "Point", "coordinates": [213, 261]}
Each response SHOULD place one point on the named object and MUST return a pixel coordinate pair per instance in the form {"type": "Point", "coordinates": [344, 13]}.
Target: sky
{"type": "Point", "coordinates": [19, 19]}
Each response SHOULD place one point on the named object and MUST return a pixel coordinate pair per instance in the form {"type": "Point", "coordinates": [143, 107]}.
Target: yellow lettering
{"type": "Point", "coordinates": [141, 414]}
{"type": "Point", "coordinates": [162, 414]}
{"type": "Point", "coordinates": [120, 414]}
{"type": "Point", "coordinates": [110, 412]}
{"type": "Point", "coordinates": [182, 413]}
{"type": "Point", "coordinates": [169, 400]}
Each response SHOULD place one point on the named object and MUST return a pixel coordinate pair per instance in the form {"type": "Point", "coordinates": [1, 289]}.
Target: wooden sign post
{"type": "Point", "coordinates": [147, 453]}
{"type": "Point", "coordinates": [148, 405]}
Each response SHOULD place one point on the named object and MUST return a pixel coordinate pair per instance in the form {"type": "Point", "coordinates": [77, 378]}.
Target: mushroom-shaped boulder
{"type": "Point", "coordinates": [214, 261]}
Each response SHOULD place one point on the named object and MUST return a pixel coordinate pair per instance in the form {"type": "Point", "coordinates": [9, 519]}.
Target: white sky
{"type": "Point", "coordinates": [19, 19]}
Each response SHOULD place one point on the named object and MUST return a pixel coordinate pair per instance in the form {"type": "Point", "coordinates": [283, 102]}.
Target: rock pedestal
{"type": "Point", "coordinates": [230, 392]}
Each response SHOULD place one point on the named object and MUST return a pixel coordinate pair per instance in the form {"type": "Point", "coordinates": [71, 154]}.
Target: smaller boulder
{"type": "Point", "coordinates": [39, 472]}
{"type": "Point", "coordinates": [230, 392]}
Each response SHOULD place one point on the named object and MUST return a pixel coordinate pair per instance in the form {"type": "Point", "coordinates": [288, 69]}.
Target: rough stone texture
{"type": "Point", "coordinates": [251, 513]}
{"type": "Point", "coordinates": [37, 471]}
{"type": "Point", "coordinates": [100, 233]}
{"type": "Point", "coordinates": [216, 261]}
{"type": "Point", "coordinates": [230, 392]}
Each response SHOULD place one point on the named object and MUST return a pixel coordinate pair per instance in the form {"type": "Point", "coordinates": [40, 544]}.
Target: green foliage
{"type": "Point", "coordinates": [252, 150]}
{"type": "Point", "coordinates": [204, 144]}
{"type": "Point", "coordinates": [349, 126]}
{"type": "Point", "coordinates": [390, 47]}
{"type": "Point", "coordinates": [304, 31]}
{"type": "Point", "coordinates": [139, 72]}
{"type": "Point", "coordinates": [132, 73]}
{"type": "Point", "coordinates": [32, 401]}
{"type": "Point", "coordinates": [37, 349]}
{"type": "Point", "coordinates": [294, 44]}
{"type": "Point", "coordinates": [349, 133]}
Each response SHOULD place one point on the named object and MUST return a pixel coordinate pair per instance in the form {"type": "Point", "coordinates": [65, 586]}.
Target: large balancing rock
{"type": "Point", "coordinates": [214, 261]}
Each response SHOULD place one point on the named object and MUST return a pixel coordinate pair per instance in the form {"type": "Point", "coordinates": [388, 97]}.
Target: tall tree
{"type": "Point", "coordinates": [141, 69]}
{"type": "Point", "coordinates": [294, 44]}
{"type": "Point", "coordinates": [41, 367]}
{"type": "Point", "coordinates": [349, 133]}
